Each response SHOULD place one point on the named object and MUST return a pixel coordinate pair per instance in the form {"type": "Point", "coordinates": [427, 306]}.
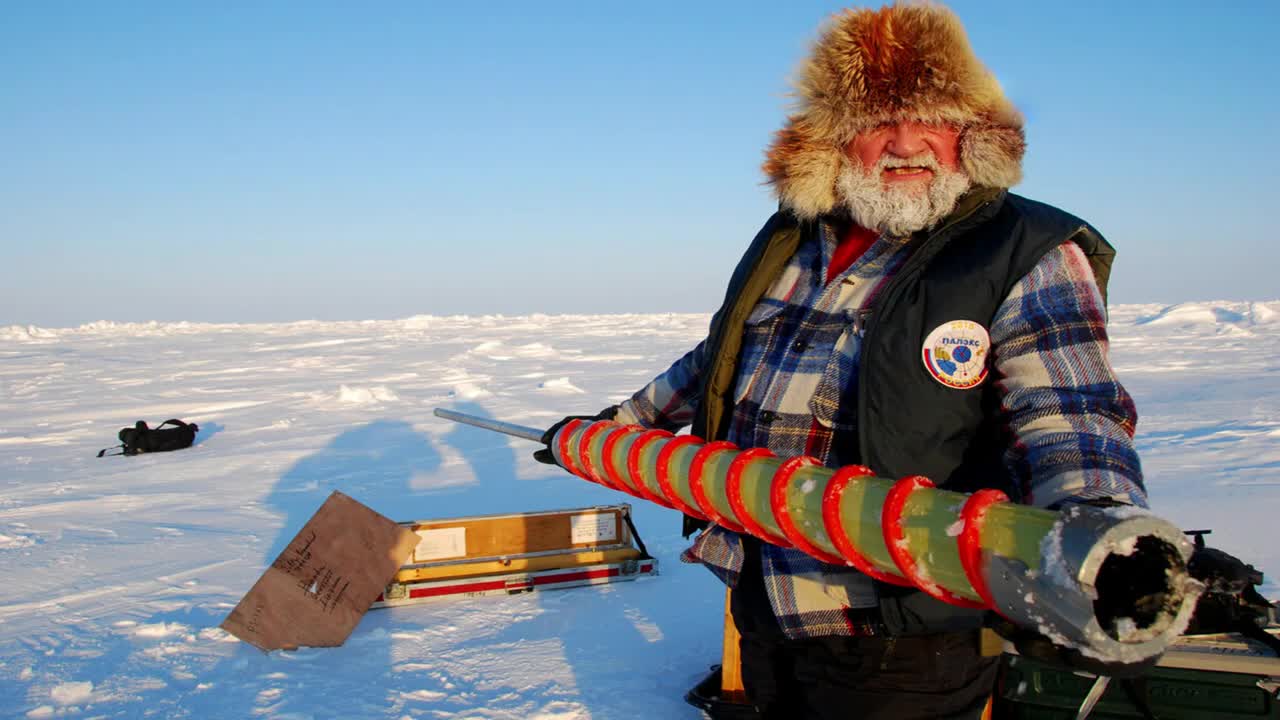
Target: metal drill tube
{"type": "Point", "coordinates": [506, 428]}
{"type": "Point", "coordinates": [1070, 599]}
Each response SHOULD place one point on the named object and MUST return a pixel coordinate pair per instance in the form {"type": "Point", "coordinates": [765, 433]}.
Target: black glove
{"type": "Point", "coordinates": [545, 455]}
{"type": "Point", "coordinates": [1033, 645]}
{"type": "Point", "coordinates": [1230, 602]}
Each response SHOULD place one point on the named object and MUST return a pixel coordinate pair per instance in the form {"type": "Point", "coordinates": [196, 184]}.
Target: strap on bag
{"type": "Point", "coordinates": [143, 439]}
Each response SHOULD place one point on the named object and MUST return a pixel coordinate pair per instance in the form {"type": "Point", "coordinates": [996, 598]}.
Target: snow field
{"type": "Point", "coordinates": [119, 570]}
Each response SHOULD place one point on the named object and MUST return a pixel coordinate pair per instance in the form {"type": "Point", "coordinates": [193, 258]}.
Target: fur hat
{"type": "Point", "coordinates": [907, 61]}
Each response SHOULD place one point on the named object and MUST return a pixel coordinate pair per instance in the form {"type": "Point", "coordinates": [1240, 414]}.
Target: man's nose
{"type": "Point", "coordinates": [907, 140]}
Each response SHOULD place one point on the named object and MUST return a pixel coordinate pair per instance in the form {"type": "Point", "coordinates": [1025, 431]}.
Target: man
{"type": "Point", "coordinates": [904, 311]}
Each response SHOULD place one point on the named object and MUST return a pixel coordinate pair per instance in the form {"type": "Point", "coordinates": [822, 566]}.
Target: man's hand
{"type": "Point", "coordinates": [1231, 601]}
{"type": "Point", "coordinates": [545, 455]}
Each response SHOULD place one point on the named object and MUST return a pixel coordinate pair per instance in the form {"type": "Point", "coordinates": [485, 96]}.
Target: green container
{"type": "Point", "coordinates": [1036, 691]}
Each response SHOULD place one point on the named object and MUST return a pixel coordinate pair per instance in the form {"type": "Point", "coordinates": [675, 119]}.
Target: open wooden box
{"type": "Point", "coordinates": [522, 552]}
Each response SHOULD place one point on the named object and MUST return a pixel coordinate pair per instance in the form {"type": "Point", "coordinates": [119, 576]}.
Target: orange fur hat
{"type": "Point", "coordinates": [907, 61]}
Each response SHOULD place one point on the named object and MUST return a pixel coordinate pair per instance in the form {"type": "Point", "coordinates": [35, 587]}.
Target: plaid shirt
{"type": "Point", "coordinates": [1069, 421]}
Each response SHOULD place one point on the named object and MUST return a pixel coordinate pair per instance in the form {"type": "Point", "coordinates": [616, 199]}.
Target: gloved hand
{"type": "Point", "coordinates": [545, 455]}
{"type": "Point", "coordinates": [1033, 645]}
{"type": "Point", "coordinates": [1231, 602]}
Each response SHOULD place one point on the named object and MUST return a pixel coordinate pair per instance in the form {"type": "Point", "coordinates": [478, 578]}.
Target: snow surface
{"type": "Point", "coordinates": [118, 570]}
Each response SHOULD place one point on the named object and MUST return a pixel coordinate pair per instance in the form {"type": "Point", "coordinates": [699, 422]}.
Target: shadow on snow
{"type": "Point", "coordinates": [405, 475]}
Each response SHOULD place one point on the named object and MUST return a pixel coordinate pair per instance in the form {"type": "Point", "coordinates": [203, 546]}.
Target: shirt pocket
{"type": "Point", "coordinates": [758, 335]}
{"type": "Point", "coordinates": [764, 312]}
{"type": "Point", "coordinates": [834, 403]}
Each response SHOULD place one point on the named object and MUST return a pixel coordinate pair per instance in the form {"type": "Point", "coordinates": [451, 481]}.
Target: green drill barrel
{"type": "Point", "coordinates": [929, 520]}
{"type": "Point", "coordinates": [1044, 570]}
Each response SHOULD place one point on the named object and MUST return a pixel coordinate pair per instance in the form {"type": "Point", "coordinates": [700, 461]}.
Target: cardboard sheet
{"type": "Point", "coordinates": [316, 591]}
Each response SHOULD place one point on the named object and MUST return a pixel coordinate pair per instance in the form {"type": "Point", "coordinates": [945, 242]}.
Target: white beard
{"type": "Point", "coordinates": [896, 210]}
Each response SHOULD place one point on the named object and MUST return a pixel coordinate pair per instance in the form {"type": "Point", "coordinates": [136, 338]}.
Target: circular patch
{"type": "Point", "coordinates": [955, 354]}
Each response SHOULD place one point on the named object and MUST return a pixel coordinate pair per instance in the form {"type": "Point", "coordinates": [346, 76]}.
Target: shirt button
{"type": "Point", "coordinates": [799, 346]}
{"type": "Point", "coordinates": [767, 417]}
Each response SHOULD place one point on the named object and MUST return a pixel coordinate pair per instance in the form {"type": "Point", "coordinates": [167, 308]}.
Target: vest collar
{"type": "Point", "coordinates": [973, 208]}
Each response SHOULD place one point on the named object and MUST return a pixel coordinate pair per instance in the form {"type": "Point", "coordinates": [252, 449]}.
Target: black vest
{"type": "Point", "coordinates": [907, 422]}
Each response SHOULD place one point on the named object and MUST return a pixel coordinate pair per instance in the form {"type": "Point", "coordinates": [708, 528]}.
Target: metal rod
{"type": "Point", "coordinates": [520, 431]}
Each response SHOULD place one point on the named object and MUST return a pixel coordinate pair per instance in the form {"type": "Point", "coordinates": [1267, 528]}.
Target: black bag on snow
{"type": "Point", "coordinates": [143, 439]}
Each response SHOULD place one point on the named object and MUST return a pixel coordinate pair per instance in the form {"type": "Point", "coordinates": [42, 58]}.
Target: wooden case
{"type": "Point", "coordinates": [521, 552]}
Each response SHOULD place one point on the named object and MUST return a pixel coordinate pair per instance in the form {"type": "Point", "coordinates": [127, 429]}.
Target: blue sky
{"type": "Point", "coordinates": [246, 161]}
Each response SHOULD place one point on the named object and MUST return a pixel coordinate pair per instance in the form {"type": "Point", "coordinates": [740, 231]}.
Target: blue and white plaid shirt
{"type": "Point", "coordinates": [1069, 421]}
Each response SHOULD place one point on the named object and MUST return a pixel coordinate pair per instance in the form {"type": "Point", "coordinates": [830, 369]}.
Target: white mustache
{"type": "Point", "coordinates": [924, 160]}
{"type": "Point", "coordinates": [895, 210]}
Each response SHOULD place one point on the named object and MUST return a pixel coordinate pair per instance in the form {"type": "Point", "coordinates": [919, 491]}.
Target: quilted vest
{"type": "Point", "coordinates": [909, 423]}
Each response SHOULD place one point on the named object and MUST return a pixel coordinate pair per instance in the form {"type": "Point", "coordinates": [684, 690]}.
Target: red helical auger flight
{"type": "Point", "coordinates": [1039, 568]}
{"type": "Point", "coordinates": [705, 480]}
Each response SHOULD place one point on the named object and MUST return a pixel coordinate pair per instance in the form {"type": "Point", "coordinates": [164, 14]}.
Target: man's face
{"type": "Point", "coordinates": [901, 143]}
{"type": "Point", "coordinates": [903, 177]}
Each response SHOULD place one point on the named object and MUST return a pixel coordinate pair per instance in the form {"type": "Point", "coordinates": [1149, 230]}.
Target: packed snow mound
{"type": "Point", "coordinates": [1194, 314]}
{"type": "Point", "coordinates": [365, 396]}
{"type": "Point", "coordinates": [536, 350]}
{"type": "Point", "coordinates": [11, 542]}
{"type": "Point", "coordinates": [71, 693]}
{"type": "Point", "coordinates": [1264, 313]}
{"type": "Point", "coordinates": [498, 350]}
{"type": "Point", "coordinates": [418, 322]}
{"type": "Point", "coordinates": [560, 386]}
{"type": "Point", "coordinates": [161, 630]}
{"type": "Point", "coordinates": [1229, 318]}
{"type": "Point", "coordinates": [19, 333]}
{"type": "Point", "coordinates": [607, 325]}
{"type": "Point", "coordinates": [1205, 315]}
{"type": "Point", "coordinates": [469, 391]}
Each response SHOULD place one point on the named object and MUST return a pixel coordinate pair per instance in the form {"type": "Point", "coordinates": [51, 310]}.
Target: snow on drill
{"type": "Point", "coordinates": [1112, 583]}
